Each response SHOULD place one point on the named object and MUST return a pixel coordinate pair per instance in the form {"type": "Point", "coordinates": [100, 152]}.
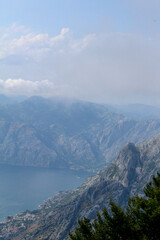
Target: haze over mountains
{"type": "Point", "coordinates": [137, 111]}
{"type": "Point", "coordinates": [126, 176]}
{"type": "Point", "coordinates": [58, 133]}
{"type": "Point", "coordinates": [4, 99]}
{"type": "Point", "coordinates": [74, 80]}
{"type": "Point", "coordinates": [64, 134]}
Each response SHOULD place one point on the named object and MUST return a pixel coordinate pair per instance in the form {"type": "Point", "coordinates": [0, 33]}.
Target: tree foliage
{"type": "Point", "coordinates": [140, 220]}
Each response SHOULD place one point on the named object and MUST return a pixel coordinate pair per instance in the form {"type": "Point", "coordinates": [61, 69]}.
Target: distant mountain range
{"type": "Point", "coordinates": [133, 167]}
{"type": "Point", "coordinates": [66, 134]}
{"type": "Point", "coordinates": [137, 111]}
{"type": "Point", "coordinates": [11, 99]}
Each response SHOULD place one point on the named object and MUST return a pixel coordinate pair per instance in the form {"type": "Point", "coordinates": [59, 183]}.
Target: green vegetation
{"type": "Point", "coordinates": [140, 221]}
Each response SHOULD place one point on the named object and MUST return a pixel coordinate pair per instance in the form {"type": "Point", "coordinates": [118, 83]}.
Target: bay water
{"type": "Point", "coordinates": [23, 188]}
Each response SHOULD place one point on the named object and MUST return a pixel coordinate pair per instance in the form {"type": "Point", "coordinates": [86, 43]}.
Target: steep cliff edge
{"type": "Point", "coordinates": [126, 176]}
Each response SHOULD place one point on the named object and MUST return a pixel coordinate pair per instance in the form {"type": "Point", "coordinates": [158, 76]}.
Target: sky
{"type": "Point", "coordinates": [104, 51]}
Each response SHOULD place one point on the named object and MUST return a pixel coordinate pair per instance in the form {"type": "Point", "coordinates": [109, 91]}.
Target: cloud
{"type": "Point", "coordinates": [35, 46]}
{"type": "Point", "coordinates": [26, 87]}
{"type": "Point", "coordinates": [106, 67]}
{"type": "Point", "coordinates": [28, 44]}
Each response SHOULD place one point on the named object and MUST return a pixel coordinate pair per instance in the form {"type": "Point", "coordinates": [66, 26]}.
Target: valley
{"type": "Point", "coordinates": [55, 133]}
{"type": "Point", "coordinates": [133, 167]}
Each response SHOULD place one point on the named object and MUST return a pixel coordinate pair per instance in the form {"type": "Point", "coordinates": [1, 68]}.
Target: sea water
{"type": "Point", "coordinates": [23, 188]}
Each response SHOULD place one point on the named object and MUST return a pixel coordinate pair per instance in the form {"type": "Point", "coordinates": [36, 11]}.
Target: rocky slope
{"type": "Point", "coordinates": [61, 134]}
{"type": "Point", "coordinates": [126, 176]}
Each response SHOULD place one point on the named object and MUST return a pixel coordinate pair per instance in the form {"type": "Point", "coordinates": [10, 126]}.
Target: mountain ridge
{"type": "Point", "coordinates": [132, 168]}
{"type": "Point", "coordinates": [76, 135]}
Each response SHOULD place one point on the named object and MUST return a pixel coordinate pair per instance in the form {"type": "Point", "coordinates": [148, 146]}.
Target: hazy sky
{"type": "Point", "coordinates": [97, 50]}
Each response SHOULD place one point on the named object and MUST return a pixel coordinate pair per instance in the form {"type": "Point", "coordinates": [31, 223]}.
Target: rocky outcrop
{"type": "Point", "coordinates": [126, 176]}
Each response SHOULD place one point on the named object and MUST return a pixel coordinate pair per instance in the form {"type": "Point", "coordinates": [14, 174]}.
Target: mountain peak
{"type": "Point", "coordinates": [125, 177]}
{"type": "Point", "coordinates": [128, 155]}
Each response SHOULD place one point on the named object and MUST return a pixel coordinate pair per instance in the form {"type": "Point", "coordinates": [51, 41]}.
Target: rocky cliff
{"type": "Point", "coordinates": [132, 168]}
{"type": "Point", "coordinates": [59, 134]}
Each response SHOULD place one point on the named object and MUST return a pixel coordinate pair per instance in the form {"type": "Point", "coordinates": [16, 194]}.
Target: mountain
{"type": "Point", "coordinates": [137, 111]}
{"type": "Point", "coordinates": [132, 168]}
{"type": "Point", "coordinates": [64, 134]}
{"type": "Point", "coordinates": [11, 99]}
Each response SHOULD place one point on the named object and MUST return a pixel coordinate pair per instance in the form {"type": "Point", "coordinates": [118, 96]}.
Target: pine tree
{"type": "Point", "coordinates": [140, 221]}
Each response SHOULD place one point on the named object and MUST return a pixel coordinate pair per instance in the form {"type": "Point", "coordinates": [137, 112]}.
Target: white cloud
{"type": "Point", "coordinates": [30, 88]}
{"type": "Point", "coordinates": [37, 45]}
{"type": "Point", "coordinates": [106, 67]}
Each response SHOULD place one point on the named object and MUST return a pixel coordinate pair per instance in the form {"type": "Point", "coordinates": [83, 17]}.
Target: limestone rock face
{"type": "Point", "coordinates": [59, 134]}
{"type": "Point", "coordinates": [132, 168]}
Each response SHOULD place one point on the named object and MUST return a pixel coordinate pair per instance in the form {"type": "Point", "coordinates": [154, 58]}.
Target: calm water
{"type": "Point", "coordinates": [24, 188]}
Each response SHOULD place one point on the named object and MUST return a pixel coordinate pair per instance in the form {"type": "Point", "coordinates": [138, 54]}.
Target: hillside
{"type": "Point", "coordinates": [63, 134]}
{"type": "Point", "coordinates": [132, 168]}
